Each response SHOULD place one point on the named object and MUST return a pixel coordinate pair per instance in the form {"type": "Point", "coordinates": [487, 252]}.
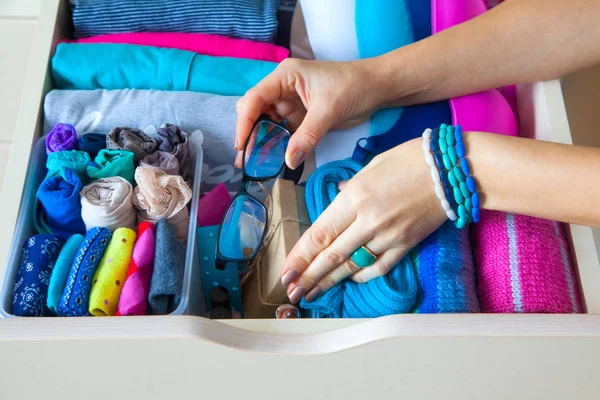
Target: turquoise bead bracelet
{"type": "Point", "coordinates": [460, 187]}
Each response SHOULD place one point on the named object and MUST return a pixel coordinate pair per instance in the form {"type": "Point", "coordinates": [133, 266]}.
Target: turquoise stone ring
{"type": "Point", "coordinates": [363, 257]}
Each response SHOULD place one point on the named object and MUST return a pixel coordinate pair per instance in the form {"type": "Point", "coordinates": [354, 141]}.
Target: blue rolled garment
{"type": "Point", "coordinates": [85, 66]}
{"type": "Point", "coordinates": [38, 256]}
{"type": "Point", "coordinates": [393, 293]}
{"type": "Point", "coordinates": [248, 19]}
{"type": "Point", "coordinates": [58, 206]}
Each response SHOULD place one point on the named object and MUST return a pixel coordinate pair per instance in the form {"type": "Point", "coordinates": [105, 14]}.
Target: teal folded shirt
{"type": "Point", "coordinates": [61, 270]}
{"type": "Point", "coordinates": [87, 66]}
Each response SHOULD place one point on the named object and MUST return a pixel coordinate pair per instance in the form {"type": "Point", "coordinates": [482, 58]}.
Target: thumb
{"type": "Point", "coordinates": [315, 125]}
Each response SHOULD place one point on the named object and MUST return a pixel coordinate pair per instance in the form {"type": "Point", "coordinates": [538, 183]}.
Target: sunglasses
{"type": "Point", "coordinates": [244, 225]}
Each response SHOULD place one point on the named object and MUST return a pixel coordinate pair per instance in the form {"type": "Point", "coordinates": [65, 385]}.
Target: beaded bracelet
{"type": "Point", "coordinates": [435, 175]}
{"type": "Point", "coordinates": [459, 187]}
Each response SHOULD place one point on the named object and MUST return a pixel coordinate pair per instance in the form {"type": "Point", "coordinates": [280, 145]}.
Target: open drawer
{"type": "Point", "coordinates": [543, 116]}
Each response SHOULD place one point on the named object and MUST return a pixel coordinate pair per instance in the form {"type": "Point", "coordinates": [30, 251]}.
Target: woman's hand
{"type": "Point", "coordinates": [314, 97]}
{"type": "Point", "coordinates": [389, 207]}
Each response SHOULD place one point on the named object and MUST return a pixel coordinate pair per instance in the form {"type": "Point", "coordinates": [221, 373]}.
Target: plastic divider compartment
{"type": "Point", "coordinates": [191, 293]}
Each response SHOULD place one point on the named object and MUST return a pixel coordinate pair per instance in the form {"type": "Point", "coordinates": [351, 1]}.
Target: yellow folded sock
{"type": "Point", "coordinates": [111, 273]}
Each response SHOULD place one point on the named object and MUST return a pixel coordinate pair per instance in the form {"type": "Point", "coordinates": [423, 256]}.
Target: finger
{"type": "Point", "coordinates": [255, 101]}
{"type": "Point", "coordinates": [238, 159]}
{"type": "Point", "coordinates": [330, 224]}
{"type": "Point", "coordinates": [316, 123]}
{"type": "Point", "coordinates": [384, 264]}
{"type": "Point", "coordinates": [332, 257]}
{"type": "Point", "coordinates": [330, 280]}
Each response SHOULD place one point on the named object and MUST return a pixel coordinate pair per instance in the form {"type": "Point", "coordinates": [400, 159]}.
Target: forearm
{"type": "Point", "coordinates": [542, 179]}
{"type": "Point", "coordinates": [518, 41]}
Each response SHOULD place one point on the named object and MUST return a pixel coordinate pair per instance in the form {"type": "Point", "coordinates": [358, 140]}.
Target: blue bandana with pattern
{"type": "Point", "coordinates": [38, 256]}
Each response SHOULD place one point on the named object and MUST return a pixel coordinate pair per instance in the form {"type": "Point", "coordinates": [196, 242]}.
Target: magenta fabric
{"type": "Point", "coordinates": [523, 265]}
{"type": "Point", "coordinates": [213, 205]}
{"type": "Point", "coordinates": [487, 111]}
{"type": "Point", "coordinates": [134, 296]}
{"type": "Point", "coordinates": [211, 45]}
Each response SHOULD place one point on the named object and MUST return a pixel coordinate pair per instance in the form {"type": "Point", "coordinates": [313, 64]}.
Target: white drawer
{"type": "Point", "coordinates": [423, 354]}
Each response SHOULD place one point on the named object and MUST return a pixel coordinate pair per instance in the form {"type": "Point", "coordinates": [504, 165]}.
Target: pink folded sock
{"type": "Point", "coordinates": [210, 45]}
{"type": "Point", "coordinates": [134, 296]}
{"type": "Point", "coordinates": [524, 265]}
{"type": "Point", "coordinates": [213, 205]}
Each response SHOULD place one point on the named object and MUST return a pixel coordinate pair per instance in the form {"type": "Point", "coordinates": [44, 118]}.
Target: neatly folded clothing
{"type": "Point", "coordinates": [166, 284]}
{"type": "Point", "coordinates": [61, 270]}
{"type": "Point", "coordinates": [524, 265]}
{"type": "Point", "coordinates": [159, 196]}
{"type": "Point", "coordinates": [210, 120]}
{"type": "Point", "coordinates": [111, 273]}
{"type": "Point", "coordinates": [61, 137]}
{"type": "Point", "coordinates": [201, 43]}
{"type": "Point", "coordinates": [38, 256]}
{"type": "Point", "coordinates": [393, 293]}
{"type": "Point", "coordinates": [75, 299]}
{"type": "Point", "coordinates": [133, 140]}
{"type": "Point", "coordinates": [108, 203]}
{"type": "Point", "coordinates": [162, 160]}
{"type": "Point", "coordinates": [58, 208]}
{"type": "Point", "coordinates": [172, 139]}
{"type": "Point", "coordinates": [445, 272]}
{"type": "Point", "coordinates": [120, 66]}
{"type": "Point", "coordinates": [110, 163]}
{"type": "Point", "coordinates": [75, 160]}
{"type": "Point", "coordinates": [92, 143]}
{"type": "Point", "coordinates": [250, 19]}
{"type": "Point", "coordinates": [134, 297]}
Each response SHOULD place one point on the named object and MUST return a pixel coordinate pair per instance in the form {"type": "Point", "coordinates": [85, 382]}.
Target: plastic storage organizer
{"type": "Point", "coordinates": [191, 299]}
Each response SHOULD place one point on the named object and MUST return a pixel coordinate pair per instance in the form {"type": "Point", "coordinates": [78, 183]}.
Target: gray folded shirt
{"type": "Point", "coordinates": [208, 119]}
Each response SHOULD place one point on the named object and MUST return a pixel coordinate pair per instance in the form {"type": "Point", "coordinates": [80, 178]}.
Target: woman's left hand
{"type": "Point", "coordinates": [389, 207]}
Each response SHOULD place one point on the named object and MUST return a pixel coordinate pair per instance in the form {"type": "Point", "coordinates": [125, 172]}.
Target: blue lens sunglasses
{"type": "Point", "coordinates": [243, 228]}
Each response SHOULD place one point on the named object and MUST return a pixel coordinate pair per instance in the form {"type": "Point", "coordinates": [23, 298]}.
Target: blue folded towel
{"type": "Point", "coordinates": [393, 293]}
{"type": "Point", "coordinates": [38, 256]}
{"type": "Point", "coordinates": [125, 66]}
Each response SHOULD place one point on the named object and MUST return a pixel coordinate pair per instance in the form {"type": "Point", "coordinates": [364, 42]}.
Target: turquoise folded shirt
{"type": "Point", "coordinates": [60, 273]}
{"type": "Point", "coordinates": [124, 66]}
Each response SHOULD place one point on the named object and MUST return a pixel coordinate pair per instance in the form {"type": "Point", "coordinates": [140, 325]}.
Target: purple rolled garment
{"type": "Point", "coordinates": [61, 137]}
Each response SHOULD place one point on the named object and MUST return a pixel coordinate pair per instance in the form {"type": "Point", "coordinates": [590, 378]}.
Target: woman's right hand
{"type": "Point", "coordinates": [314, 96]}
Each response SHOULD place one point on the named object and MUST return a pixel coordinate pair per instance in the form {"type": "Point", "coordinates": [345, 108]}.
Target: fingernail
{"type": "Point", "coordinates": [289, 277]}
{"type": "Point", "coordinates": [342, 185]}
{"type": "Point", "coordinates": [313, 294]}
{"type": "Point", "coordinates": [297, 294]}
{"type": "Point", "coordinates": [296, 159]}
{"type": "Point", "coordinates": [235, 144]}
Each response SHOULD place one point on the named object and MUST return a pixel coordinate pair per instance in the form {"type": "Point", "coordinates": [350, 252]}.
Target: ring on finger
{"type": "Point", "coordinates": [363, 257]}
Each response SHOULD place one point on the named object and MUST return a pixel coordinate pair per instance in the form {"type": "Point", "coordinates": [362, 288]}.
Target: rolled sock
{"type": "Point", "coordinates": [172, 139]}
{"type": "Point", "coordinates": [38, 257]}
{"type": "Point", "coordinates": [111, 273]}
{"type": "Point", "coordinates": [134, 297]}
{"type": "Point", "coordinates": [109, 163]}
{"type": "Point", "coordinates": [213, 206]}
{"type": "Point", "coordinates": [73, 159]}
{"type": "Point", "coordinates": [164, 161]}
{"type": "Point", "coordinates": [58, 208]}
{"type": "Point", "coordinates": [61, 137]}
{"type": "Point", "coordinates": [161, 196]}
{"type": "Point", "coordinates": [166, 285]}
{"type": "Point", "coordinates": [92, 143]}
{"type": "Point", "coordinates": [131, 139]}
{"type": "Point", "coordinates": [75, 299]}
{"type": "Point", "coordinates": [108, 203]}
{"type": "Point", "coordinates": [61, 270]}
